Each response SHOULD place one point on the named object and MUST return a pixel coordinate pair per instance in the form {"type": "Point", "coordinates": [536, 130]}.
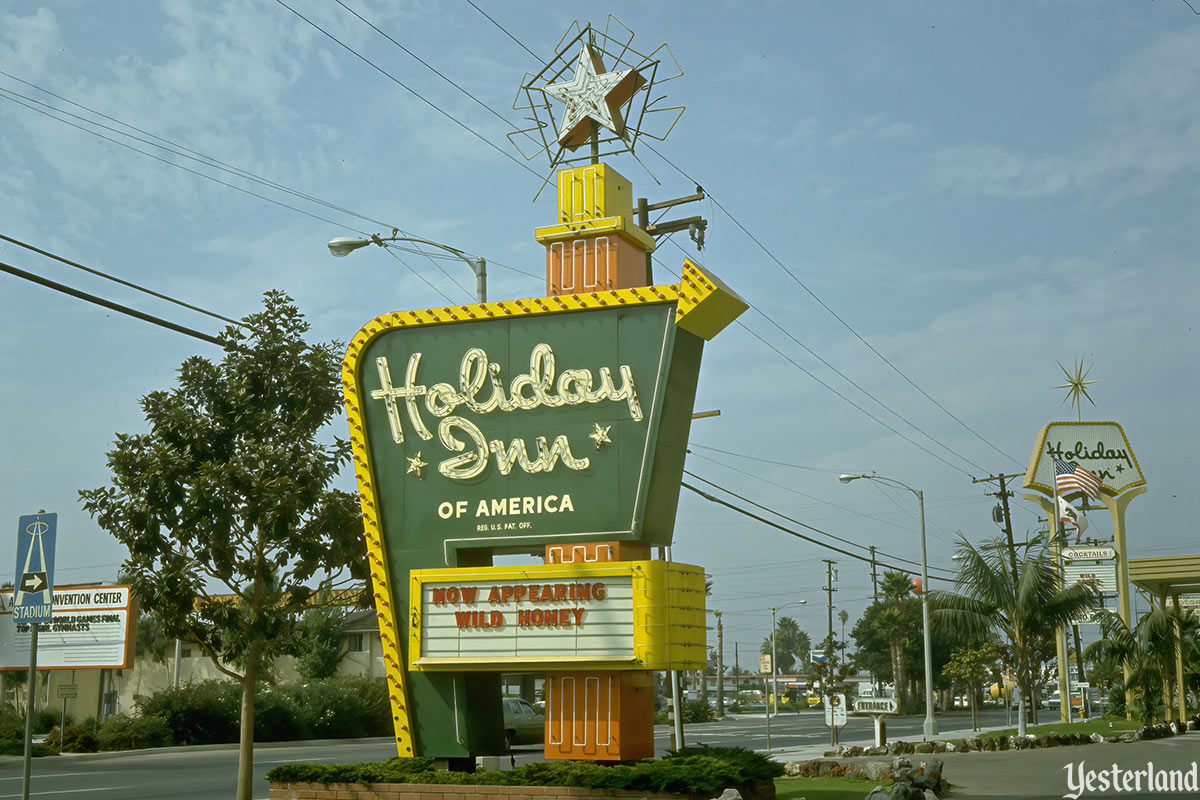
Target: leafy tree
{"type": "Point", "coordinates": [793, 645]}
{"type": "Point", "coordinates": [1024, 608]}
{"type": "Point", "coordinates": [318, 642]}
{"type": "Point", "coordinates": [971, 666]}
{"type": "Point", "coordinates": [225, 504]}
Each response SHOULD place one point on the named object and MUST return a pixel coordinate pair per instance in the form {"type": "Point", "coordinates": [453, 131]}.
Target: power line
{"type": "Point", "coordinates": [798, 522]}
{"type": "Point", "coordinates": [123, 282]}
{"type": "Point", "coordinates": [802, 285]}
{"type": "Point", "coordinates": [797, 534]}
{"type": "Point", "coordinates": [410, 90]}
{"type": "Point", "coordinates": [832, 313]}
{"type": "Point", "coordinates": [109, 304]}
{"type": "Point", "coordinates": [182, 151]}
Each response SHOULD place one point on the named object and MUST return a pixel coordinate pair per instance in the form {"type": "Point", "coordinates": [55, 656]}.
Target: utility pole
{"type": "Point", "coordinates": [695, 226]}
{"type": "Point", "coordinates": [828, 688]}
{"type": "Point", "coordinates": [1004, 494]}
{"type": "Point", "coordinates": [874, 578]}
{"type": "Point", "coordinates": [720, 666]}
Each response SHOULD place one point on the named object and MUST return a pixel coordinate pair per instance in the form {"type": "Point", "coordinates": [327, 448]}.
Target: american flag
{"type": "Point", "coordinates": [1072, 477]}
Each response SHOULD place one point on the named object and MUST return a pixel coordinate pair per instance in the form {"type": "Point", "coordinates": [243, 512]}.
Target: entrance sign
{"type": "Point", "coordinates": [68, 691]}
{"type": "Point", "coordinates": [639, 615]}
{"type": "Point", "coordinates": [34, 579]}
{"type": "Point", "coordinates": [92, 627]}
{"type": "Point", "coordinates": [875, 705]}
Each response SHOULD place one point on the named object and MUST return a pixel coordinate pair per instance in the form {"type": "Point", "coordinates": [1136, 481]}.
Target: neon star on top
{"type": "Point", "coordinates": [592, 95]}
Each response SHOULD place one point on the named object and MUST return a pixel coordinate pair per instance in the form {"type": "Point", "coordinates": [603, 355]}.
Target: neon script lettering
{"type": "Point", "coordinates": [482, 389]}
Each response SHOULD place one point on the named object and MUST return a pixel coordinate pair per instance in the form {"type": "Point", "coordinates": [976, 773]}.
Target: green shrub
{"type": "Point", "coordinates": [693, 770]}
{"type": "Point", "coordinates": [344, 708]}
{"type": "Point", "coordinates": [75, 739]}
{"type": "Point", "coordinates": [16, 747]}
{"type": "Point", "coordinates": [277, 716]}
{"type": "Point", "coordinates": [198, 713]}
{"type": "Point", "coordinates": [125, 732]}
{"type": "Point", "coordinates": [12, 724]}
{"type": "Point", "coordinates": [697, 711]}
{"type": "Point", "coordinates": [44, 719]}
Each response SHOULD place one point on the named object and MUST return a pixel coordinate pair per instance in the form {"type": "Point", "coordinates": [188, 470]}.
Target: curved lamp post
{"type": "Point", "coordinates": [930, 728]}
{"type": "Point", "coordinates": [775, 668]}
{"type": "Point", "coordinates": [343, 246]}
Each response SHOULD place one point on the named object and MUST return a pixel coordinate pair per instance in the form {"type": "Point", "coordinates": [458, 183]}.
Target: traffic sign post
{"type": "Point", "coordinates": [33, 595]}
{"type": "Point", "coordinates": [835, 715]}
{"type": "Point", "coordinates": [33, 602]}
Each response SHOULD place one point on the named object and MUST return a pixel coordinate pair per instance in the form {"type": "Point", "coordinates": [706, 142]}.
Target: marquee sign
{"type": "Point", "coordinates": [1100, 447]}
{"type": "Point", "coordinates": [1105, 575]}
{"type": "Point", "coordinates": [615, 615]}
{"type": "Point", "coordinates": [91, 627]}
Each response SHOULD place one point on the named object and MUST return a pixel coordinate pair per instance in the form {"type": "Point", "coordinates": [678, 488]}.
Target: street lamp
{"type": "Point", "coordinates": [774, 668]}
{"type": "Point", "coordinates": [930, 727]}
{"type": "Point", "coordinates": [343, 246]}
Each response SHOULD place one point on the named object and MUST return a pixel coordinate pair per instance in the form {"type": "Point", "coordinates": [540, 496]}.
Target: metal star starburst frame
{"type": "Point", "coordinates": [598, 90]}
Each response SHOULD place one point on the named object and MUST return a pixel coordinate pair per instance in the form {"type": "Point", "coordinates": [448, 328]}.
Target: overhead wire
{"type": "Point", "coordinates": [109, 304]}
{"type": "Point", "coordinates": [794, 521]}
{"type": "Point", "coordinates": [824, 305]}
{"type": "Point", "coordinates": [797, 534]}
{"type": "Point", "coordinates": [123, 282]}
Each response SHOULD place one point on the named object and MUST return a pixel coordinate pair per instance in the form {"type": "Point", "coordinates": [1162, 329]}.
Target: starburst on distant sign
{"type": "Point", "coordinates": [1076, 386]}
{"type": "Point", "coordinates": [597, 88]}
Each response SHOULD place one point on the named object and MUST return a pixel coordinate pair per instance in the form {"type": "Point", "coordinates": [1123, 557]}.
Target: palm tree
{"type": "Point", "coordinates": [894, 589]}
{"type": "Point", "coordinates": [1148, 649]}
{"type": "Point", "coordinates": [1025, 608]}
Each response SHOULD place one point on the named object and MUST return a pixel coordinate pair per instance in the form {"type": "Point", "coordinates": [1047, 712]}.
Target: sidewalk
{"type": "Point", "coordinates": [1042, 773]}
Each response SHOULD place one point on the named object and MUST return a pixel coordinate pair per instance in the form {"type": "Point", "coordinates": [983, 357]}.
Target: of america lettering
{"type": "Point", "coordinates": [482, 389]}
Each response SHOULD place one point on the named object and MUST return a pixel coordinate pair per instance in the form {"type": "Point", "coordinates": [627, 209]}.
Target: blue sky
{"type": "Point", "coordinates": [977, 190]}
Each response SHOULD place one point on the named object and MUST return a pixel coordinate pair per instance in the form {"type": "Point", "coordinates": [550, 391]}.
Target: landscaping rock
{"type": "Point", "coordinates": [899, 763]}
{"type": "Point", "coordinates": [989, 745]}
{"type": "Point", "coordinates": [932, 768]}
{"type": "Point", "coordinates": [930, 795]}
{"type": "Point", "coordinates": [879, 793]}
{"type": "Point", "coordinates": [1003, 743]}
{"type": "Point", "coordinates": [923, 747]}
{"type": "Point", "coordinates": [878, 770]}
{"type": "Point", "coordinates": [791, 768]}
{"type": "Point", "coordinates": [730, 794]}
{"type": "Point", "coordinates": [951, 747]}
{"type": "Point", "coordinates": [906, 791]}
{"type": "Point", "coordinates": [1096, 738]}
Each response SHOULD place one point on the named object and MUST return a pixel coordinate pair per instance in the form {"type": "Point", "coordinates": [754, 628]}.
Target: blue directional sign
{"type": "Point", "coordinates": [34, 591]}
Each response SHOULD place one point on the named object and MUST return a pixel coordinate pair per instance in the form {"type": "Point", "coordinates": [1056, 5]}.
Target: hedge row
{"type": "Point", "coordinates": [693, 770]}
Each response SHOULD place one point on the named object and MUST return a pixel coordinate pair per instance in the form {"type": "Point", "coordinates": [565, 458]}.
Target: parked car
{"type": "Point", "coordinates": [523, 724]}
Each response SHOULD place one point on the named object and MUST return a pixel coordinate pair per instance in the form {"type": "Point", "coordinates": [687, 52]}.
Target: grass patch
{"type": "Point", "coordinates": [823, 788]}
{"type": "Point", "coordinates": [1100, 726]}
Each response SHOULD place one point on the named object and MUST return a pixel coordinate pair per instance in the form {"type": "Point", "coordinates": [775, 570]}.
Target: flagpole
{"type": "Point", "coordinates": [1060, 645]}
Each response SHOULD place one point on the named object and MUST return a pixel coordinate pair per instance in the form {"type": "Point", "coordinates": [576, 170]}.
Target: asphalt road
{"type": "Point", "coordinates": [209, 773]}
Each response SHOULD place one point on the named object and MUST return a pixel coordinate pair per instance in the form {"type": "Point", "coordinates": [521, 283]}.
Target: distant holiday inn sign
{"type": "Point", "coordinates": [1100, 447]}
